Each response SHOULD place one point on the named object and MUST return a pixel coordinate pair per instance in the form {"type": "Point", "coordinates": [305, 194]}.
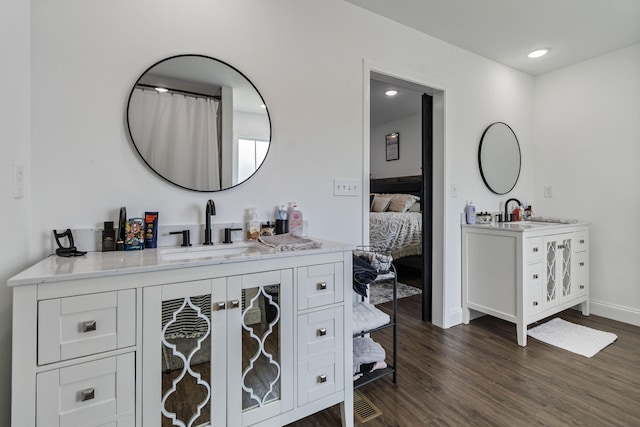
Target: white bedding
{"type": "Point", "coordinates": [396, 233]}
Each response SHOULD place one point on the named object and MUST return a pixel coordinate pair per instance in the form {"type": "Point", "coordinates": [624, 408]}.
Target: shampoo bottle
{"type": "Point", "coordinates": [296, 224]}
{"type": "Point", "coordinates": [470, 212]}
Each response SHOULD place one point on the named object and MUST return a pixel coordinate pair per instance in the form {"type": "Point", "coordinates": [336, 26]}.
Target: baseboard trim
{"type": "Point", "coordinates": [615, 312]}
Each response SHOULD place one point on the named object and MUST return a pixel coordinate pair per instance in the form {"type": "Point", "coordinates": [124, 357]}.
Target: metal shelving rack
{"type": "Point", "coordinates": [391, 369]}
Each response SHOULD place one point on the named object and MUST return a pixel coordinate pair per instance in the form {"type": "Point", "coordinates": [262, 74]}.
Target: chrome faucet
{"type": "Point", "coordinates": [506, 208]}
{"type": "Point", "coordinates": [209, 210]}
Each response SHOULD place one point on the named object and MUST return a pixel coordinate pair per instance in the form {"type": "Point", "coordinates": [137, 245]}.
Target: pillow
{"type": "Point", "coordinates": [380, 204]}
{"type": "Point", "coordinates": [401, 202]}
{"type": "Point", "coordinates": [415, 207]}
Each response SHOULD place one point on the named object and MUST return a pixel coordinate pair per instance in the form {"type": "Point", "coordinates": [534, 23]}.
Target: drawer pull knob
{"type": "Point", "coordinates": [322, 286]}
{"type": "Point", "coordinates": [234, 303]}
{"type": "Point", "coordinates": [581, 286]}
{"type": "Point", "coordinates": [220, 305]}
{"type": "Point", "coordinates": [582, 264]}
{"type": "Point", "coordinates": [535, 249]}
{"type": "Point", "coordinates": [582, 241]}
{"type": "Point", "coordinates": [87, 394]}
{"type": "Point", "coordinates": [535, 303]}
{"type": "Point", "coordinates": [535, 276]}
{"type": "Point", "coordinates": [322, 332]}
{"type": "Point", "coordinates": [89, 325]}
{"type": "Point", "coordinates": [322, 378]}
{"type": "Point", "coordinates": [560, 246]}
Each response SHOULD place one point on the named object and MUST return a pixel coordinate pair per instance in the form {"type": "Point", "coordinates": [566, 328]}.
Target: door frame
{"type": "Point", "coordinates": [438, 92]}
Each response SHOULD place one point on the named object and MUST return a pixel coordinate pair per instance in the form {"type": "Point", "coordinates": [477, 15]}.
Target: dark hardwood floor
{"type": "Point", "coordinates": [477, 375]}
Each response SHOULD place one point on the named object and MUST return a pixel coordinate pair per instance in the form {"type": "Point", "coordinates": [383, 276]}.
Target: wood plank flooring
{"type": "Point", "coordinates": [477, 375]}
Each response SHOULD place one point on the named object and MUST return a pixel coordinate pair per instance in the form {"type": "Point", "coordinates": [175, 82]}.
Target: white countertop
{"type": "Point", "coordinates": [525, 225]}
{"type": "Point", "coordinates": [100, 264]}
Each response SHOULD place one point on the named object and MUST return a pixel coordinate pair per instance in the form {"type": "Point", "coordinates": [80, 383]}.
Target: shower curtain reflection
{"type": "Point", "coordinates": [178, 137]}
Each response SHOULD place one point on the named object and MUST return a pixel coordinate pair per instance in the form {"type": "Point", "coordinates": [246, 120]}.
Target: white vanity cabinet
{"type": "Point", "coordinates": [524, 272]}
{"type": "Point", "coordinates": [128, 339]}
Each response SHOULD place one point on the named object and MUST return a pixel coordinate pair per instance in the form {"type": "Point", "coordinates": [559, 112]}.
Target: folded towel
{"type": "Point", "coordinates": [366, 350]}
{"type": "Point", "coordinates": [289, 242]}
{"type": "Point", "coordinates": [363, 274]}
{"type": "Point", "coordinates": [382, 263]}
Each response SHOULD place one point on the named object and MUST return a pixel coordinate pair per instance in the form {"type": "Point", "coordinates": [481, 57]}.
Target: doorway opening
{"type": "Point", "coordinates": [415, 117]}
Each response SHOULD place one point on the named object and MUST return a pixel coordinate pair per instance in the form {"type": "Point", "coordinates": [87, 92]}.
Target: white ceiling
{"type": "Point", "coordinates": [506, 30]}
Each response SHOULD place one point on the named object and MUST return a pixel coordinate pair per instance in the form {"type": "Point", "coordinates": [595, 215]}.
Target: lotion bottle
{"type": "Point", "coordinates": [296, 224]}
{"type": "Point", "coordinates": [470, 212]}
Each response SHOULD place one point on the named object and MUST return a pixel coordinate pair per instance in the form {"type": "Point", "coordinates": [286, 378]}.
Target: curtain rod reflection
{"type": "Point", "coordinates": [178, 91]}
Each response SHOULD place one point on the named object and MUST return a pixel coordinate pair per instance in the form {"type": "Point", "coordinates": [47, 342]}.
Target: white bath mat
{"type": "Point", "coordinates": [569, 336]}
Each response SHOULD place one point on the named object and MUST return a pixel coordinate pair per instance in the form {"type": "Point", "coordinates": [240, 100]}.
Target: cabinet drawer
{"type": "Point", "coordinates": [87, 324]}
{"type": "Point", "coordinates": [320, 376]}
{"type": "Point", "coordinates": [319, 285]}
{"type": "Point", "coordinates": [582, 241]}
{"type": "Point", "coordinates": [533, 248]}
{"type": "Point", "coordinates": [533, 289]}
{"type": "Point", "coordinates": [98, 393]}
{"type": "Point", "coordinates": [320, 331]}
{"type": "Point", "coordinates": [580, 273]}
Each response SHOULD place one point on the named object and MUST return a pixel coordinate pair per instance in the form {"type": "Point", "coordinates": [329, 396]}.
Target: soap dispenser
{"type": "Point", "coordinates": [253, 226]}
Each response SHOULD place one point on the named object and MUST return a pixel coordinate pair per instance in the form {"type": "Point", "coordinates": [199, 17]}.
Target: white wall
{"type": "Point", "coordinates": [14, 148]}
{"type": "Point", "coordinates": [305, 57]}
{"type": "Point", "coordinates": [310, 78]}
{"type": "Point", "coordinates": [587, 134]}
{"type": "Point", "coordinates": [410, 161]}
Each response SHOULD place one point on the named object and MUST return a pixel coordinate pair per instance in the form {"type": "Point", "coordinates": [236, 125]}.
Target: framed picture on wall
{"type": "Point", "coordinates": [392, 144]}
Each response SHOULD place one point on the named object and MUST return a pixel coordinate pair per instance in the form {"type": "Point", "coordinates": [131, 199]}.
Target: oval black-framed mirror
{"type": "Point", "coordinates": [199, 123]}
{"type": "Point", "coordinates": [499, 158]}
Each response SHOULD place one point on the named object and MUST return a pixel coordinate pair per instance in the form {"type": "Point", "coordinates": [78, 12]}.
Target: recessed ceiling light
{"type": "Point", "coordinates": [538, 53]}
{"type": "Point", "coordinates": [162, 89]}
{"type": "Point", "coordinates": [391, 92]}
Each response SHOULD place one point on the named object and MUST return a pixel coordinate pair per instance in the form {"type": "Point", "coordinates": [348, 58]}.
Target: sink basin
{"type": "Point", "coordinates": [232, 250]}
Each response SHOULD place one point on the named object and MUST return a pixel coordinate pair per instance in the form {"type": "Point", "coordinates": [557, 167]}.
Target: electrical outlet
{"type": "Point", "coordinates": [548, 191]}
{"type": "Point", "coordinates": [454, 190]}
{"type": "Point", "coordinates": [346, 187]}
{"type": "Point", "coordinates": [18, 181]}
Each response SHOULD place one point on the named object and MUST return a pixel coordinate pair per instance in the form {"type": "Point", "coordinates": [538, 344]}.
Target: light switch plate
{"type": "Point", "coordinates": [18, 181]}
{"type": "Point", "coordinates": [346, 187]}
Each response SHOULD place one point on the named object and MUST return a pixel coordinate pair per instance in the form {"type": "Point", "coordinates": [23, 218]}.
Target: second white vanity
{"type": "Point", "coordinates": [224, 336]}
{"type": "Point", "coordinates": [522, 272]}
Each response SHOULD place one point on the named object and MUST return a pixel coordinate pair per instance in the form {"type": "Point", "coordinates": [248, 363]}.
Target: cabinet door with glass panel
{"type": "Point", "coordinates": [218, 351]}
{"type": "Point", "coordinates": [559, 268]}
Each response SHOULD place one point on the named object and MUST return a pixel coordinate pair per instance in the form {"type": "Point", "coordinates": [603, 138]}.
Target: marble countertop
{"type": "Point", "coordinates": [99, 264]}
{"type": "Point", "coordinates": [524, 225]}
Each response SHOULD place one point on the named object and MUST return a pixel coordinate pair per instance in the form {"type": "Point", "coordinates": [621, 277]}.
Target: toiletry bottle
{"type": "Point", "coordinates": [516, 213]}
{"type": "Point", "coordinates": [253, 226]}
{"type": "Point", "coordinates": [108, 237]}
{"type": "Point", "coordinates": [296, 224]}
{"type": "Point", "coordinates": [470, 212]}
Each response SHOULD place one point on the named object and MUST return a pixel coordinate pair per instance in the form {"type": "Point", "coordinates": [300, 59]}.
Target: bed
{"type": "Point", "coordinates": [395, 227]}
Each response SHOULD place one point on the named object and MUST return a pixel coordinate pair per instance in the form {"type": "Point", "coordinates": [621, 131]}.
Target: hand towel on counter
{"type": "Point", "coordinates": [289, 242]}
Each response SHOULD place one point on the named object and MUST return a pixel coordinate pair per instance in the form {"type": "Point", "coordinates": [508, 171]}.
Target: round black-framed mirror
{"type": "Point", "coordinates": [499, 158]}
{"type": "Point", "coordinates": [199, 123]}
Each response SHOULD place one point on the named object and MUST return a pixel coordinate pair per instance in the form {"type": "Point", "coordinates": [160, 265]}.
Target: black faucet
{"type": "Point", "coordinates": [506, 208]}
{"type": "Point", "coordinates": [227, 234]}
{"type": "Point", "coordinates": [209, 210]}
